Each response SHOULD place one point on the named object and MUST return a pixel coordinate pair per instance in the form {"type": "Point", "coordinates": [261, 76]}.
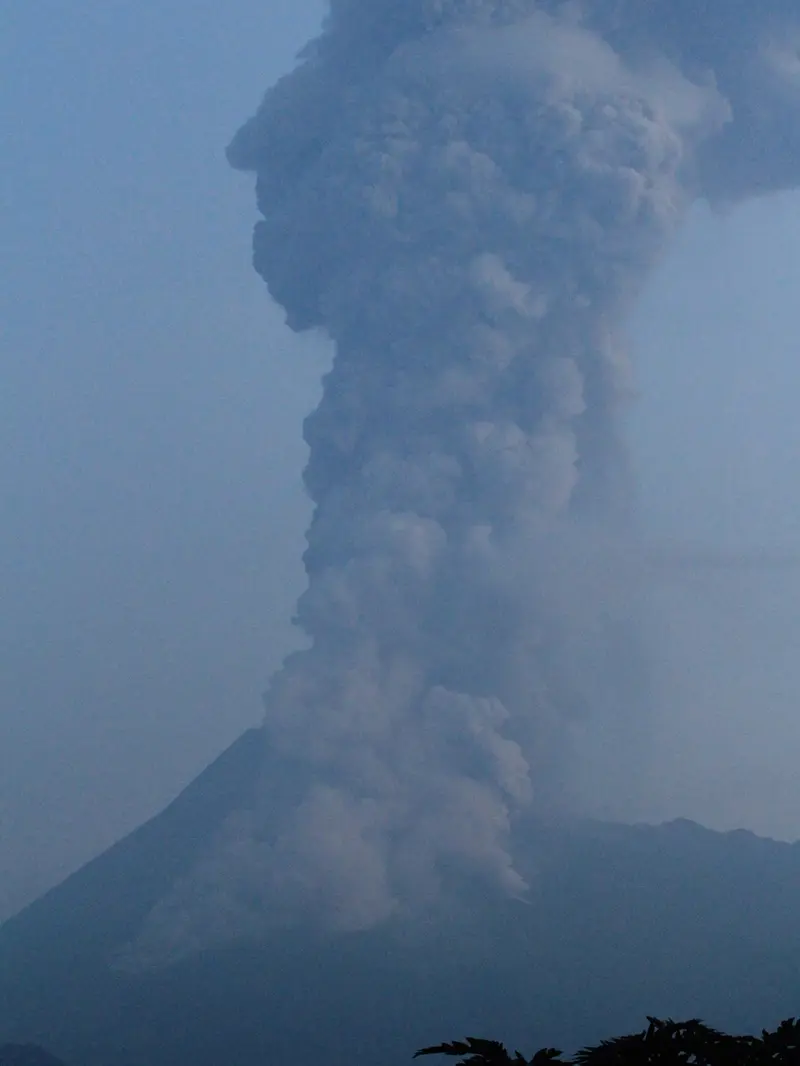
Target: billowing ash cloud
{"type": "Point", "coordinates": [465, 196]}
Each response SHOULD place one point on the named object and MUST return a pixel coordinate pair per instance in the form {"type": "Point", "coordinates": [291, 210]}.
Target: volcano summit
{"type": "Point", "coordinates": [465, 197]}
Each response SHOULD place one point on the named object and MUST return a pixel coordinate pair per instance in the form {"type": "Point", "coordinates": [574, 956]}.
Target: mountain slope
{"type": "Point", "coordinates": [623, 921]}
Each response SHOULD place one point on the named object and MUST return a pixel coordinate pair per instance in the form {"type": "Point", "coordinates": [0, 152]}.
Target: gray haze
{"type": "Point", "coordinates": [151, 548]}
{"type": "Point", "coordinates": [466, 197]}
{"type": "Point", "coordinates": [149, 415]}
{"type": "Point", "coordinates": [717, 441]}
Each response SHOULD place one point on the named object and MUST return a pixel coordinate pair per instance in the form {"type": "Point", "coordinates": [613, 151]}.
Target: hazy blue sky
{"type": "Point", "coordinates": [150, 447]}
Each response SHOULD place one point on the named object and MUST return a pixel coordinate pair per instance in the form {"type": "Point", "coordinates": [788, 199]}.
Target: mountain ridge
{"type": "Point", "coordinates": [622, 921]}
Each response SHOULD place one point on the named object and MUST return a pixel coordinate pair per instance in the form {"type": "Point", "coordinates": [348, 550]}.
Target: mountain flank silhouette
{"type": "Point", "coordinates": [622, 922]}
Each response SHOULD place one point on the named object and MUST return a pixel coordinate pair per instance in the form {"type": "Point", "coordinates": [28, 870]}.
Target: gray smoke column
{"type": "Point", "coordinates": [466, 196]}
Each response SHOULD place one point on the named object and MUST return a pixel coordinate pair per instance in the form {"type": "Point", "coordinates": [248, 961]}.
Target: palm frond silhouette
{"type": "Point", "coordinates": [662, 1043]}
{"type": "Point", "coordinates": [476, 1052]}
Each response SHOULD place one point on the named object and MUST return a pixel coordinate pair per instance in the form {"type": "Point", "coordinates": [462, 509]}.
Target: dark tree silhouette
{"type": "Point", "coordinates": [662, 1043]}
{"type": "Point", "coordinates": [490, 1053]}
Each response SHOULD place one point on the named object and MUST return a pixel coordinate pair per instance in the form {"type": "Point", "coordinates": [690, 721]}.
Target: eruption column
{"type": "Point", "coordinates": [466, 196]}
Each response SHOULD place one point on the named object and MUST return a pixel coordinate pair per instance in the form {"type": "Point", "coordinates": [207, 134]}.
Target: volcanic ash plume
{"type": "Point", "coordinates": [465, 196]}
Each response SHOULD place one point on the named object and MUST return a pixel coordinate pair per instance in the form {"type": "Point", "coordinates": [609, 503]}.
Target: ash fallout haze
{"type": "Point", "coordinates": [467, 197]}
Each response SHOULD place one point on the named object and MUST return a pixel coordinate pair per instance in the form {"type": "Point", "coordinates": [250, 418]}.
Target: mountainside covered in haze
{"type": "Point", "coordinates": [622, 921]}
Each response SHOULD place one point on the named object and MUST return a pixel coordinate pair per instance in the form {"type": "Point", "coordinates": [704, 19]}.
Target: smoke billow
{"type": "Point", "coordinates": [466, 196]}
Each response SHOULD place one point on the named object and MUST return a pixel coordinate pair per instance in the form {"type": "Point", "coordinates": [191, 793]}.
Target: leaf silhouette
{"type": "Point", "coordinates": [481, 1051]}
{"type": "Point", "coordinates": [662, 1043]}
